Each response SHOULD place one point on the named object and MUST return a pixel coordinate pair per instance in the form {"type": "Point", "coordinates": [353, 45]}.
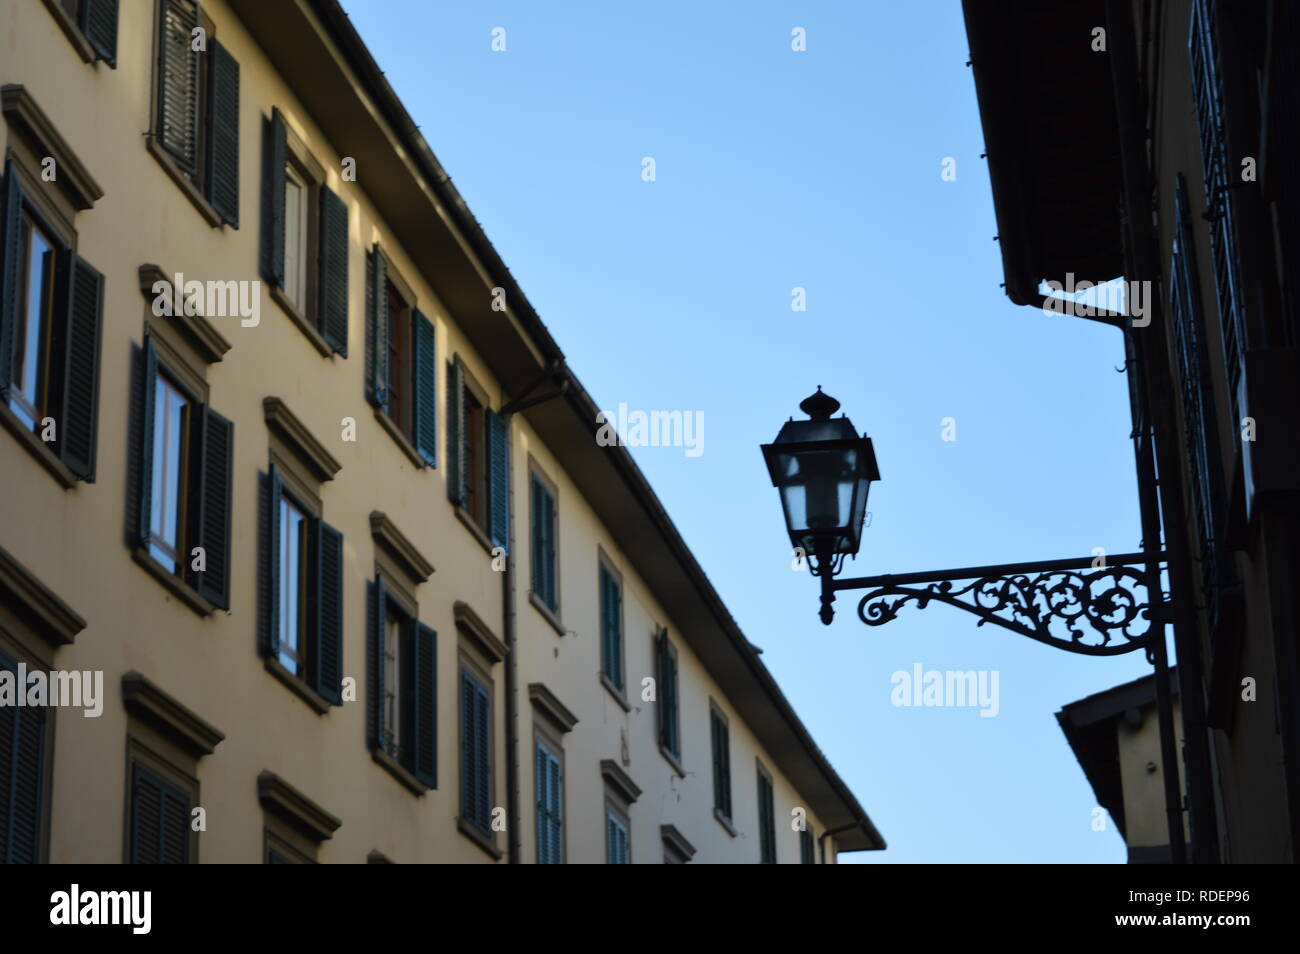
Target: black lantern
{"type": "Point", "coordinates": [823, 470]}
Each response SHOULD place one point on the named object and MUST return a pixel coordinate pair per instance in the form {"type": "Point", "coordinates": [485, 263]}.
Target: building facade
{"type": "Point", "coordinates": [1115, 735]}
{"type": "Point", "coordinates": [293, 468]}
{"type": "Point", "coordinates": [1155, 141]}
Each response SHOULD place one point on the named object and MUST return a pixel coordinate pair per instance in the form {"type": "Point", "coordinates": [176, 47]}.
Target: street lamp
{"type": "Point", "coordinates": [1099, 605]}
{"type": "Point", "coordinates": [823, 471]}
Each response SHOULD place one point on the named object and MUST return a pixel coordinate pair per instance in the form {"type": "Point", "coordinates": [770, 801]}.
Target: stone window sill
{"type": "Point", "coordinates": [398, 771]}
{"type": "Point", "coordinates": [547, 613]}
{"type": "Point", "coordinates": [178, 587]}
{"type": "Point", "coordinates": [306, 693]}
{"type": "Point", "coordinates": [192, 192]}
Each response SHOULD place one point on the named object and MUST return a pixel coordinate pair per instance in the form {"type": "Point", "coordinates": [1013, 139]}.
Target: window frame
{"type": "Point", "coordinates": [548, 741]}
{"type": "Point", "coordinates": [723, 804]}
{"type": "Point", "coordinates": [472, 669]}
{"type": "Point", "coordinates": [617, 811]}
{"type": "Point", "coordinates": [549, 610]}
{"type": "Point", "coordinates": [605, 565]}
{"type": "Point", "coordinates": [194, 186]}
{"type": "Point", "coordinates": [142, 753]}
{"type": "Point", "coordinates": [767, 845]}
{"type": "Point", "coordinates": [665, 649]}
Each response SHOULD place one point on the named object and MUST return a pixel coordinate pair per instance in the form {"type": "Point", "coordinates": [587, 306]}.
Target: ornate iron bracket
{"type": "Point", "coordinates": [1070, 604]}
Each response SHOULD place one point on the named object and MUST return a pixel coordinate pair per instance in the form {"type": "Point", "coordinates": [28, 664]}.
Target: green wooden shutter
{"type": "Point", "coordinates": [327, 654]}
{"type": "Point", "coordinates": [555, 793]}
{"type": "Point", "coordinates": [543, 821]}
{"type": "Point", "coordinates": [213, 483]}
{"type": "Point", "coordinates": [146, 818]}
{"type": "Point", "coordinates": [457, 459]}
{"type": "Point", "coordinates": [178, 84]}
{"type": "Point", "coordinates": [271, 577]}
{"type": "Point", "coordinates": [378, 620]}
{"type": "Point", "coordinates": [149, 370]}
{"type": "Point", "coordinates": [98, 22]}
{"type": "Point", "coordinates": [476, 749]}
{"type": "Point", "coordinates": [22, 778]}
{"type": "Point", "coordinates": [160, 820]}
{"type": "Point", "coordinates": [223, 134]}
{"type": "Point", "coordinates": [483, 746]}
{"type": "Point", "coordinates": [377, 329]}
{"type": "Point", "coordinates": [275, 154]}
{"type": "Point", "coordinates": [75, 360]}
{"type": "Point", "coordinates": [807, 849]}
{"type": "Point", "coordinates": [425, 403]}
{"type": "Point", "coordinates": [498, 479]}
{"type": "Point", "coordinates": [11, 258]}
{"type": "Point", "coordinates": [425, 705]}
{"type": "Point", "coordinates": [468, 756]}
{"type": "Point", "coordinates": [333, 270]}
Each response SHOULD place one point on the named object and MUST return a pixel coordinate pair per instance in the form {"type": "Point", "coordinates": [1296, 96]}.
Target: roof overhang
{"type": "Point", "coordinates": [1090, 728]}
{"type": "Point", "coordinates": [1051, 137]}
{"type": "Point", "coordinates": [317, 50]}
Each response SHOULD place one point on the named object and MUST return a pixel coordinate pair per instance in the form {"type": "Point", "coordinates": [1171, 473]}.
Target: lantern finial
{"type": "Point", "coordinates": [819, 406]}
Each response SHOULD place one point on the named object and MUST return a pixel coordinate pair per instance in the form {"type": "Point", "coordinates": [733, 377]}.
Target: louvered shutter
{"type": "Point", "coordinates": [22, 778]}
{"type": "Point", "coordinates": [378, 621]}
{"type": "Point", "coordinates": [457, 460]}
{"type": "Point", "coordinates": [160, 821]}
{"type": "Point", "coordinates": [425, 403]}
{"type": "Point", "coordinates": [77, 371]}
{"type": "Point", "coordinates": [327, 654]}
{"type": "Point", "coordinates": [271, 576]}
{"type": "Point", "coordinates": [468, 755]}
{"type": "Point", "coordinates": [377, 329]}
{"type": "Point", "coordinates": [146, 818]}
{"type": "Point", "coordinates": [555, 796]}
{"type": "Point", "coordinates": [149, 370]}
{"type": "Point", "coordinates": [425, 705]}
{"type": "Point", "coordinates": [223, 134]}
{"type": "Point", "coordinates": [543, 821]}
{"type": "Point", "coordinates": [483, 748]}
{"type": "Point", "coordinates": [333, 270]}
{"type": "Point", "coordinates": [213, 440]}
{"type": "Point", "coordinates": [275, 154]}
{"type": "Point", "coordinates": [10, 272]}
{"type": "Point", "coordinates": [98, 24]}
{"type": "Point", "coordinates": [498, 479]}
{"type": "Point", "coordinates": [178, 83]}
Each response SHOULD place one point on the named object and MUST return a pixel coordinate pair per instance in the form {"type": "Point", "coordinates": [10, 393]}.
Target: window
{"type": "Point", "coordinates": [1197, 398]}
{"type": "Point", "coordinates": [304, 257]}
{"type": "Point", "coordinates": [549, 781]}
{"type": "Point", "coordinates": [23, 800]}
{"type": "Point", "coordinates": [302, 585]}
{"type": "Point", "coordinates": [544, 552]}
{"type": "Point", "coordinates": [184, 480]}
{"type": "Point", "coordinates": [478, 456]}
{"type": "Point", "coordinates": [611, 627]}
{"type": "Point", "coordinates": [807, 847]}
{"type": "Point", "coordinates": [160, 820]}
{"type": "Point", "coordinates": [91, 25]}
{"type": "Point", "coordinates": [475, 752]}
{"type": "Point", "coordinates": [1219, 174]}
{"type": "Point", "coordinates": [197, 120]}
{"type": "Point", "coordinates": [721, 764]}
{"type": "Point", "coordinates": [403, 654]}
{"type": "Point", "coordinates": [51, 310]}
{"type": "Point", "coordinates": [618, 842]}
{"type": "Point", "coordinates": [552, 719]}
{"type": "Point", "coordinates": [766, 818]}
{"type": "Point", "coordinates": [620, 793]}
{"type": "Point", "coordinates": [401, 369]}
{"type": "Point", "coordinates": [666, 668]}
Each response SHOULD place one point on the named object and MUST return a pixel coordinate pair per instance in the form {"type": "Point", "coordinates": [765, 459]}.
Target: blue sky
{"type": "Point", "coordinates": [818, 169]}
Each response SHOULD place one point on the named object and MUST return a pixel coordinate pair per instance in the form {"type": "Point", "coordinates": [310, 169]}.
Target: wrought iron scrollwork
{"type": "Point", "coordinates": [1095, 612]}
